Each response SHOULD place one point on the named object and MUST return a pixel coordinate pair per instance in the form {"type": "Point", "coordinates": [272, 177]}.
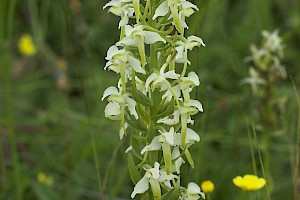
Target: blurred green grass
{"type": "Point", "coordinates": [50, 126]}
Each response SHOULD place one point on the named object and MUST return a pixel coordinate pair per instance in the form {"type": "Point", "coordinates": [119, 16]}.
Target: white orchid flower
{"type": "Point", "coordinates": [193, 192]}
{"type": "Point", "coordinates": [254, 80]}
{"type": "Point", "coordinates": [113, 111]}
{"type": "Point", "coordinates": [151, 176]}
{"type": "Point", "coordinates": [191, 107]}
{"type": "Point", "coordinates": [162, 10]}
{"type": "Point", "coordinates": [187, 84]}
{"type": "Point", "coordinates": [190, 81]}
{"type": "Point", "coordinates": [140, 85]}
{"type": "Point", "coordinates": [117, 102]}
{"type": "Point", "coordinates": [171, 92]}
{"type": "Point", "coordinates": [273, 42]}
{"type": "Point", "coordinates": [191, 138]}
{"type": "Point", "coordinates": [167, 178]}
{"type": "Point", "coordinates": [180, 9]}
{"type": "Point", "coordinates": [157, 79]}
{"type": "Point", "coordinates": [137, 36]}
{"type": "Point", "coordinates": [177, 159]}
{"type": "Point", "coordinates": [120, 58]}
{"type": "Point", "coordinates": [156, 143]}
{"type": "Point", "coordinates": [172, 138]}
{"type": "Point", "coordinates": [174, 119]}
{"type": "Point", "coordinates": [187, 10]}
{"type": "Point", "coordinates": [164, 141]}
{"type": "Point", "coordinates": [170, 120]}
{"type": "Point", "coordinates": [183, 46]}
{"type": "Point", "coordinates": [122, 8]}
{"type": "Point", "coordinates": [134, 34]}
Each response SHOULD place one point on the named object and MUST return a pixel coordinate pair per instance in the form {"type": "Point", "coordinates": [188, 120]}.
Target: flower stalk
{"type": "Point", "coordinates": [152, 98]}
{"type": "Point", "coordinates": [264, 76]}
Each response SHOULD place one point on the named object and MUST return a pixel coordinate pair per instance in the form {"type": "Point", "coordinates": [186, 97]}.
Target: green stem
{"type": "Point", "coordinates": [252, 196]}
{"type": "Point", "coordinates": [296, 167]}
{"type": "Point", "coordinates": [122, 34]}
{"type": "Point", "coordinates": [267, 162]}
{"type": "Point", "coordinates": [10, 16]}
{"type": "Point", "coordinates": [152, 24]}
{"type": "Point", "coordinates": [17, 175]}
{"type": "Point", "coordinates": [184, 68]}
{"type": "Point", "coordinates": [2, 26]}
{"type": "Point", "coordinates": [3, 170]}
{"type": "Point", "coordinates": [208, 197]}
{"type": "Point", "coordinates": [146, 11]}
{"type": "Point", "coordinates": [183, 129]}
{"type": "Point", "coordinates": [166, 32]}
{"type": "Point", "coordinates": [268, 121]}
{"type": "Point", "coordinates": [141, 47]}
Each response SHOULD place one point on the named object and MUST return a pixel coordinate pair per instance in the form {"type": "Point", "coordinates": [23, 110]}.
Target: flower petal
{"type": "Point", "coordinates": [113, 50]}
{"type": "Point", "coordinates": [170, 120]}
{"type": "Point", "coordinates": [154, 145]}
{"type": "Point", "coordinates": [123, 21]}
{"type": "Point", "coordinates": [136, 64]}
{"type": "Point", "coordinates": [178, 164]}
{"type": "Point", "coordinates": [131, 107]}
{"type": "Point", "coordinates": [169, 136]}
{"type": "Point", "coordinates": [171, 74]}
{"type": "Point", "coordinates": [141, 187]}
{"type": "Point", "coordinates": [152, 37]}
{"type": "Point", "coordinates": [154, 171]}
{"type": "Point", "coordinates": [109, 91]}
{"type": "Point", "coordinates": [195, 38]}
{"type": "Point", "coordinates": [193, 188]}
{"type": "Point", "coordinates": [191, 136]}
{"type": "Point", "coordinates": [162, 10]}
{"type": "Point", "coordinates": [112, 109]}
{"type": "Point", "coordinates": [122, 131]}
{"type": "Point", "coordinates": [187, 4]}
{"type": "Point", "coordinates": [196, 104]}
{"type": "Point", "coordinates": [150, 79]}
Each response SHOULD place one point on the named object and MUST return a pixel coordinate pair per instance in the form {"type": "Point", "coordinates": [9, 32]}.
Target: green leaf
{"type": "Point", "coordinates": [139, 97]}
{"type": "Point", "coordinates": [167, 109]}
{"type": "Point", "coordinates": [136, 148]}
{"type": "Point", "coordinates": [151, 133]}
{"type": "Point", "coordinates": [143, 114]}
{"type": "Point", "coordinates": [135, 124]}
{"type": "Point", "coordinates": [152, 157]}
{"type": "Point", "coordinates": [171, 195]}
{"type": "Point", "coordinates": [189, 157]}
{"type": "Point", "coordinates": [133, 170]}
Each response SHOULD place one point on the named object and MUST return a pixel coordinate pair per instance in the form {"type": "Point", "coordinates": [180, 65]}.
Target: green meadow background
{"type": "Point", "coordinates": [52, 117]}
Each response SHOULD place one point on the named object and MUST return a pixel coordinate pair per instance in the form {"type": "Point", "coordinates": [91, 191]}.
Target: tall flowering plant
{"type": "Point", "coordinates": [265, 75]}
{"type": "Point", "coordinates": [152, 97]}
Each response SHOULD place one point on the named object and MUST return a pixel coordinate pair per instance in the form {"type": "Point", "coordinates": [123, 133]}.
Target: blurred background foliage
{"type": "Point", "coordinates": [55, 142]}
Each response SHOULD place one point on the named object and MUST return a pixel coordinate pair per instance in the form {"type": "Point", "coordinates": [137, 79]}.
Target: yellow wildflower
{"type": "Point", "coordinates": [26, 45]}
{"type": "Point", "coordinates": [249, 182]}
{"type": "Point", "coordinates": [207, 186]}
{"type": "Point", "coordinates": [44, 179]}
